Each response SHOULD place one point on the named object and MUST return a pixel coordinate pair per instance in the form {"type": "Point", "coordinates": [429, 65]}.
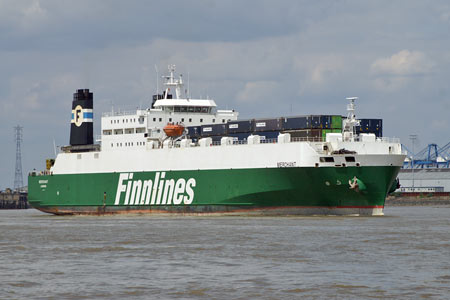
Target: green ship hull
{"type": "Point", "coordinates": [281, 191]}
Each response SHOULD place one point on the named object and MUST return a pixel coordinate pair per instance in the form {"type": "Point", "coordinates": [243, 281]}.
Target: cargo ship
{"type": "Point", "coordinates": [185, 156]}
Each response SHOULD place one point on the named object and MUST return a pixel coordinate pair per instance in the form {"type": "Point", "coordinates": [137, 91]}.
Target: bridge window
{"type": "Point", "coordinates": [350, 159]}
{"type": "Point", "coordinates": [327, 159]}
{"type": "Point", "coordinates": [198, 109]}
{"type": "Point", "coordinates": [204, 110]}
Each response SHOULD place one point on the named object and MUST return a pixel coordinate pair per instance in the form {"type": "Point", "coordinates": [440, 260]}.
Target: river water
{"type": "Point", "coordinates": [403, 255]}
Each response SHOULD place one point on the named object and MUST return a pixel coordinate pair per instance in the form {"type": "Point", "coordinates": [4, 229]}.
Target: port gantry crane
{"type": "Point", "coordinates": [432, 156]}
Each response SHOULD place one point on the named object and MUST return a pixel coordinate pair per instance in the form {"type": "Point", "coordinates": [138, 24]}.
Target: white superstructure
{"type": "Point", "coordinates": [135, 141]}
{"type": "Point", "coordinates": [132, 130]}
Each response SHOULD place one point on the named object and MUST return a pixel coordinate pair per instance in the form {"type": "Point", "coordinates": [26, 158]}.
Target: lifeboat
{"type": "Point", "coordinates": [172, 129]}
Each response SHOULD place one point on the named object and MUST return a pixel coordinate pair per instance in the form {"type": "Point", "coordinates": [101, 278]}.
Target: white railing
{"type": "Point", "coordinates": [308, 139]}
{"type": "Point", "coordinates": [388, 140]}
{"type": "Point", "coordinates": [293, 140]}
{"type": "Point", "coordinates": [275, 141]}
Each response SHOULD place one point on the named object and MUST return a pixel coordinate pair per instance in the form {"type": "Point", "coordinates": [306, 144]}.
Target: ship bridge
{"type": "Point", "coordinates": [131, 130]}
{"type": "Point", "coordinates": [186, 105]}
{"type": "Point", "coordinates": [181, 102]}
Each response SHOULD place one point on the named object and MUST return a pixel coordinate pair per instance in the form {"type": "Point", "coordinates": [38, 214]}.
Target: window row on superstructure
{"type": "Point", "coordinates": [188, 109]}
{"type": "Point", "coordinates": [132, 130]}
{"type": "Point", "coordinates": [123, 131]}
{"type": "Point", "coordinates": [128, 144]}
{"type": "Point", "coordinates": [182, 120]}
{"type": "Point", "coordinates": [133, 120]}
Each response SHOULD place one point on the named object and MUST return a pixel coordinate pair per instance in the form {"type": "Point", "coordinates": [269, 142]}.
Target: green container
{"type": "Point", "coordinates": [336, 122]}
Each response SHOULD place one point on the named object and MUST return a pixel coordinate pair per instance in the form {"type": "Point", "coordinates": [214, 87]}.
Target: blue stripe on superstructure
{"type": "Point", "coordinates": [88, 115]}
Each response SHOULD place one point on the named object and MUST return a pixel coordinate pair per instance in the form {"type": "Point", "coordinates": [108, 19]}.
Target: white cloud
{"type": "Point", "coordinates": [257, 91]}
{"type": "Point", "coordinates": [22, 16]}
{"type": "Point", "coordinates": [403, 63]}
{"type": "Point", "coordinates": [327, 68]}
{"type": "Point", "coordinates": [34, 10]}
{"type": "Point", "coordinates": [317, 73]}
{"type": "Point", "coordinates": [390, 84]}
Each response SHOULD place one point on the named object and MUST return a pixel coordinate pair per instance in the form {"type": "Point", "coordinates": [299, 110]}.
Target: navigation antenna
{"type": "Point", "coordinates": [157, 80]}
{"type": "Point", "coordinates": [18, 178]}
{"type": "Point", "coordinates": [351, 122]}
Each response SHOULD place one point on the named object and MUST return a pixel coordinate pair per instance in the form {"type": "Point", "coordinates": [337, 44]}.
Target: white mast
{"type": "Point", "coordinates": [157, 81]}
{"type": "Point", "coordinates": [351, 122]}
{"type": "Point", "coordinates": [172, 82]}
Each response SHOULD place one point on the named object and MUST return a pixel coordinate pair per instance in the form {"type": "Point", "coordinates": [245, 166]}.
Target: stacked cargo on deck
{"type": "Point", "coordinates": [311, 127]}
{"type": "Point", "coordinates": [370, 126]}
{"type": "Point", "coordinates": [240, 130]}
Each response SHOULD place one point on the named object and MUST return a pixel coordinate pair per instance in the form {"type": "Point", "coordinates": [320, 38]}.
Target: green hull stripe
{"type": "Point", "coordinates": [223, 189]}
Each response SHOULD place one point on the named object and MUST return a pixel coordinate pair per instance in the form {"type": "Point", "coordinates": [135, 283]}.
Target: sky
{"type": "Point", "coordinates": [261, 58]}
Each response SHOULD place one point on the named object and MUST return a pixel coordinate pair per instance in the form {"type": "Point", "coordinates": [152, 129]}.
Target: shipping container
{"type": "Point", "coordinates": [305, 133]}
{"type": "Point", "coordinates": [194, 131]}
{"type": "Point", "coordinates": [268, 125]}
{"type": "Point", "coordinates": [336, 122]}
{"type": "Point", "coordinates": [301, 133]}
{"type": "Point", "coordinates": [293, 123]}
{"type": "Point", "coordinates": [370, 126]}
{"type": "Point", "coordinates": [316, 133]}
{"type": "Point", "coordinates": [268, 135]}
{"type": "Point", "coordinates": [240, 126]}
{"type": "Point", "coordinates": [325, 121]}
{"type": "Point", "coordinates": [314, 122]}
{"type": "Point", "coordinates": [213, 130]}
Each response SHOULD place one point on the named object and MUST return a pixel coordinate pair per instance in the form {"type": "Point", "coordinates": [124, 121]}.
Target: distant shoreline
{"type": "Point", "coordinates": [416, 201]}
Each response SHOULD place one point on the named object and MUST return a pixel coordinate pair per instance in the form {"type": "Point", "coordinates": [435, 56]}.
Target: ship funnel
{"type": "Point", "coordinates": [81, 128]}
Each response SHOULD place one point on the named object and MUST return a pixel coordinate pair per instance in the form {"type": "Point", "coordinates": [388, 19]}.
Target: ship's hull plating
{"type": "Point", "coordinates": [261, 191]}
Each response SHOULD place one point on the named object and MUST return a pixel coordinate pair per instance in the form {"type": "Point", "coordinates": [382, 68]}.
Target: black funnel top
{"type": "Point", "coordinates": [81, 128]}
